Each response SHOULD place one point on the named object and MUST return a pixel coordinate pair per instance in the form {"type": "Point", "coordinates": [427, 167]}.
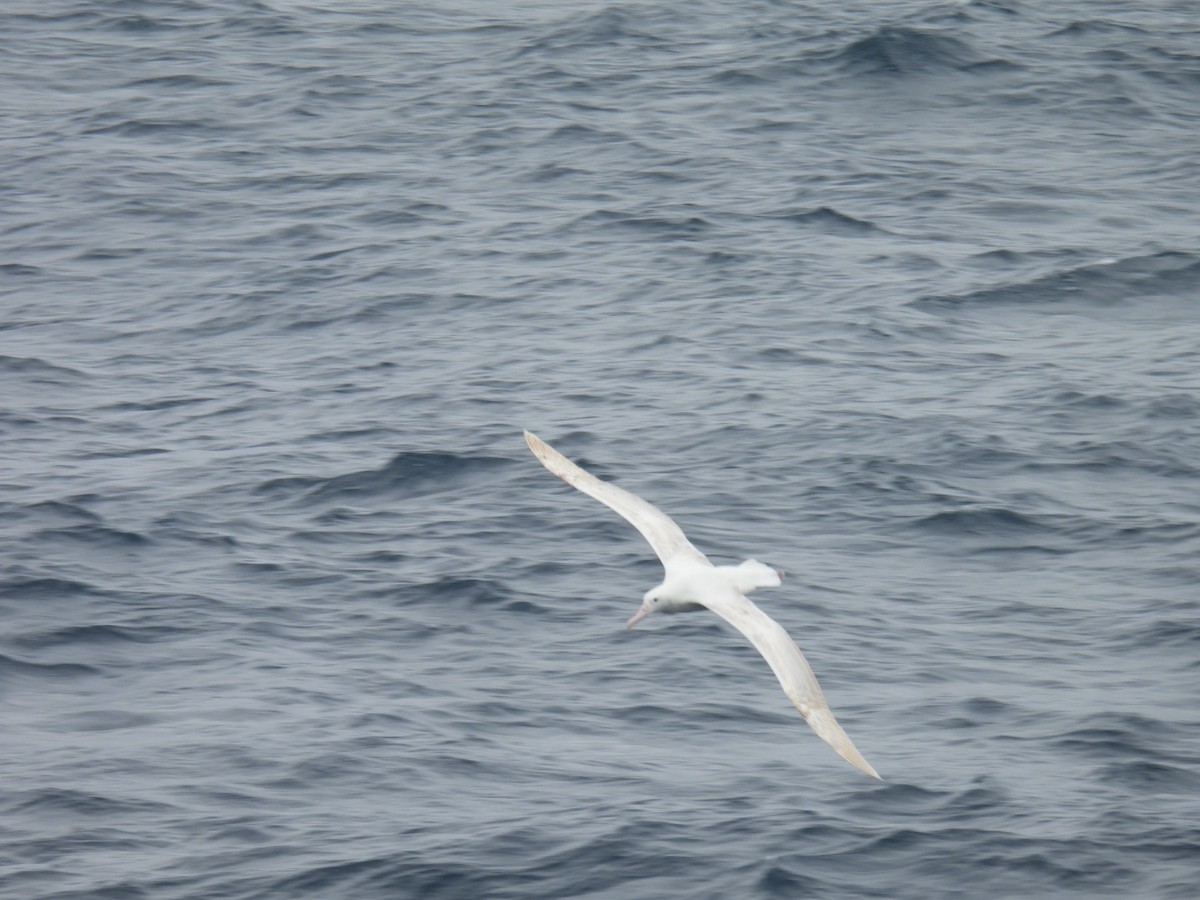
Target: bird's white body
{"type": "Point", "coordinates": [691, 582]}
{"type": "Point", "coordinates": [686, 580]}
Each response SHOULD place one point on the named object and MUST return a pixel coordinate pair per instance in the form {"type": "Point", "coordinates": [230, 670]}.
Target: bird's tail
{"type": "Point", "coordinates": [752, 574]}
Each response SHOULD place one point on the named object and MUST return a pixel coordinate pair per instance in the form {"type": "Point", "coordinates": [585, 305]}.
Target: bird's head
{"type": "Point", "coordinates": [652, 601]}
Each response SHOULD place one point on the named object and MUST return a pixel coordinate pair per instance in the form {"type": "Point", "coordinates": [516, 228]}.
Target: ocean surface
{"type": "Point", "coordinates": [901, 297]}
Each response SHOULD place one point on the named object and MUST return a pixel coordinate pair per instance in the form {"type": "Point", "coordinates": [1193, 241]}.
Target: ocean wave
{"type": "Point", "coordinates": [827, 219]}
{"type": "Point", "coordinates": [907, 51]}
{"type": "Point", "coordinates": [11, 668]}
{"type": "Point", "coordinates": [411, 474]}
{"type": "Point", "coordinates": [73, 802]}
{"type": "Point", "coordinates": [1099, 284]}
{"type": "Point", "coordinates": [983, 521]}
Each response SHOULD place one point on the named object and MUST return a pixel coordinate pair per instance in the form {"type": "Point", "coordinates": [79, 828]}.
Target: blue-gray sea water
{"type": "Point", "coordinates": [900, 296]}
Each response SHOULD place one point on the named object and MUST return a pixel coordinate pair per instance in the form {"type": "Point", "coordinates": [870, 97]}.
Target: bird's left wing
{"type": "Point", "coordinates": [791, 668]}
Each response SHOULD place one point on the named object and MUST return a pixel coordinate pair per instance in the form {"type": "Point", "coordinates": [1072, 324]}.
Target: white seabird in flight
{"type": "Point", "coordinates": [692, 582]}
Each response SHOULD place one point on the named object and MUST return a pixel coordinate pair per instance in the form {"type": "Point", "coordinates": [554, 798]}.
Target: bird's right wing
{"type": "Point", "coordinates": [667, 539]}
{"type": "Point", "coordinates": [792, 670]}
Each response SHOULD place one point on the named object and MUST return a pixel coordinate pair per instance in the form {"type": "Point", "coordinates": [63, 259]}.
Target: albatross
{"type": "Point", "coordinates": [691, 582]}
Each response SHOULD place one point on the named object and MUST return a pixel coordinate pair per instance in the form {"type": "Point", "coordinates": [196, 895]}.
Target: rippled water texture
{"type": "Point", "coordinates": [900, 297]}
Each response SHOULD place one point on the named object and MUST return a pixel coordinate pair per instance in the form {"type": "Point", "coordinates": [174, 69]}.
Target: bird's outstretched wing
{"type": "Point", "coordinates": [791, 668]}
{"type": "Point", "coordinates": [656, 527]}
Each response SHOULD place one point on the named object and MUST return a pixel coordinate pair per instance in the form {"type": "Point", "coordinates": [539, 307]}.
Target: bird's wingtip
{"type": "Point", "coordinates": [821, 721]}
{"type": "Point", "coordinates": [861, 764]}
